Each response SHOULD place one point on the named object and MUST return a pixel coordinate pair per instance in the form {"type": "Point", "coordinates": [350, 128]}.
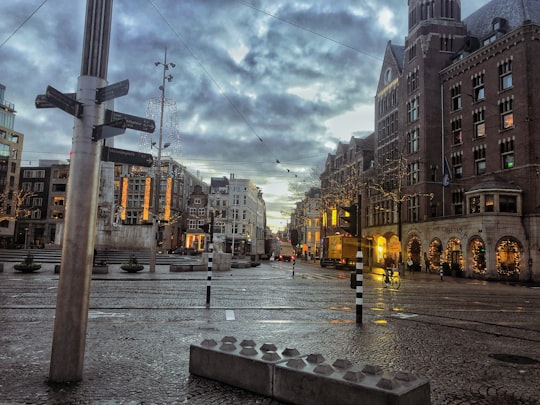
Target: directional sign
{"type": "Point", "coordinates": [112, 91]}
{"type": "Point", "coordinates": [132, 122]}
{"type": "Point", "coordinates": [41, 100]}
{"type": "Point", "coordinates": [64, 102]}
{"type": "Point", "coordinates": [109, 130]}
{"type": "Point", "coordinates": [126, 157]}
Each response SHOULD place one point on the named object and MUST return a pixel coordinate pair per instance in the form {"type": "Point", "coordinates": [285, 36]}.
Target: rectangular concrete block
{"type": "Point", "coordinates": [311, 379]}
{"type": "Point", "coordinates": [95, 269]}
{"type": "Point", "coordinates": [179, 268]}
{"type": "Point", "coordinates": [241, 365]}
{"type": "Point", "coordinates": [287, 376]}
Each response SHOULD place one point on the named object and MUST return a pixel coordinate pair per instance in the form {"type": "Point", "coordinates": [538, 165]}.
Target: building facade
{"type": "Point", "coordinates": [45, 205]}
{"type": "Point", "coordinates": [239, 216]}
{"type": "Point", "coordinates": [454, 179]}
{"type": "Point", "coordinates": [11, 144]}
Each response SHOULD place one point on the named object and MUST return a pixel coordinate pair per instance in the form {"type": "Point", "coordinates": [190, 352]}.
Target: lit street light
{"type": "Point", "coordinates": [157, 173]}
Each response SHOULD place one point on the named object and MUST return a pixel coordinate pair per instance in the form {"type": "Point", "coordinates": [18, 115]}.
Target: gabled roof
{"type": "Point", "coordinates": [515, 12]}
{"type": "Point", "coordinates": [399, 54]}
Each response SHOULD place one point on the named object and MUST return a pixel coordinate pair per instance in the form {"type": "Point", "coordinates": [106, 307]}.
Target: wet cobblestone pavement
{"type": "Point", "coordinates": [477, 342]}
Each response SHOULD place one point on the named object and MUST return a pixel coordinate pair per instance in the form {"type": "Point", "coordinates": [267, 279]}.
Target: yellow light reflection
{"type": "Point", "coordinates": [341, 308]}
{"type": "Point", "coordinates": [146, 207]}
{"type": "Point", "coordinates": [168, 197]}
{"type": "Point", "coordinates": [125, 183]}
{"type": "Point", "coordinates": [380, 322]}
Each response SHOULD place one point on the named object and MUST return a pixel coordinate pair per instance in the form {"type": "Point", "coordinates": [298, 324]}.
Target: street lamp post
{"type": "Point", "coordinates": [157, 174]}
{"type": "Point", "coordinates": [25, 238]}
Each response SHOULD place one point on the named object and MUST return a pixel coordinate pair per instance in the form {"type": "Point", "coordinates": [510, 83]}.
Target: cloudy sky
{"type": "Point", "coordinates": [264, 89]}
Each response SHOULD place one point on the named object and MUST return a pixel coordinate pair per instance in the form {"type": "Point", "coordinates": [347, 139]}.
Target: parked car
{"type": "Point", "coordinates": [185, 251]}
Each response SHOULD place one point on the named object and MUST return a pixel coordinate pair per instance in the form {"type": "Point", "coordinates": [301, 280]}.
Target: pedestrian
{"type": "Point", "coordinates": [426, 262]}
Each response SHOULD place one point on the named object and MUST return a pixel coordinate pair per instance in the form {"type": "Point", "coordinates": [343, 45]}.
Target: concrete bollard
{"type": "Point", "coordinates": [240, 365]}
{"type": "Point", "coordinates": [341, 382]}
{"type": "Point", "coordinates": [288, 376]}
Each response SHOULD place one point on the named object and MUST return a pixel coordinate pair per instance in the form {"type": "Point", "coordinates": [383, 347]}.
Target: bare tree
{"type": "Point", "coordinates": [15, 205]}
{"type": "Point", "coordinates": [392, 182]}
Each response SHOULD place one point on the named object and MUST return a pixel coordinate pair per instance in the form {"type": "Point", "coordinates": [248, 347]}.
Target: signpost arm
{"type": "Point", "coordinates": [73, 295]}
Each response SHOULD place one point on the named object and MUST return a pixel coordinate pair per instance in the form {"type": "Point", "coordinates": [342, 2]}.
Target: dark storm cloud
{"type": "Point", "coordinates": [255, 82]}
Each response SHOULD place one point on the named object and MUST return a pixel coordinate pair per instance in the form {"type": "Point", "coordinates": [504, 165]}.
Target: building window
{"type": "Point", "coordinates": [412, 81]}
{"type": "Point", "coordinates": [489, 203]}
{"type": "Point", "coordinates": [456, 97]}
{"type": "Point", "coordinates": [507, 154]}
{"type": "Point", "coordinates": [192, 224]}
{"type": "Point", "coordinates": [26, 186]}
{"type": "Point", "coordinates": [37, 202]}
{"type": "Point", "coordinates": [192, 211]}
{"type": "Point", "coordinates": [413, 209]}
{"type": "Point", "coordinates": [38, 187]}
{"type": "Point", "coordinates": [412, 141]}
{"type": "Point", "coordinates": [457, 165]}
{"type": "Point", "coordinates": [413, 173]}
{"type": "Point", "coordinates": [34, 174]}
{"type": "Point", "coordinates": [202, 212]}
{"type": "Point", "coordinates": [457, 133]}
{"type": "Point", "coordinates": [507, 114]}
{"type": "Point", "coordinates": [478, 87]}
{"type": "Point", "coordinates": [474, 205]}
{"type": "Point", "coordinates": [507, 203]}
{"type": "Point", "coordinates": [197, 201]}
{"type": "Point", "coordinates": [479, 124]}
{"type": "Point", "coordinates": [457, 202]}
{"type": "Point", "coordinates": [412, 51]}
{"type": "Point", "coordinates": [505, 75]}
{"type": "Point", "coordinates": [480, 160]}
{"type": "Point", "coordinates": [36, 214]}
{"type": "Point", "coordinates": [413, 110]}
{"type": "Point", "coordinates": [446, 43]}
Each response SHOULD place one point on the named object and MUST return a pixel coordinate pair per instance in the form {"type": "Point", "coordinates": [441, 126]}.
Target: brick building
{"type": "Point", "coordinates": [455, 170]}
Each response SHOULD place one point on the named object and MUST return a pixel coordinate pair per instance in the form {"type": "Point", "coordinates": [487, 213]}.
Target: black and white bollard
{"type": "Point", "coordinates": [441, 272]}
{"type": "Point", "coordinates": [209, 276]}
{"type": "Point", "coordinates": [359, 286]}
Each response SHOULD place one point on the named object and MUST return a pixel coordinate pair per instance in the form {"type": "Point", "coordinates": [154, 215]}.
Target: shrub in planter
{"type": "Point", "coordinates": [132, 266]}
{"type": "Point", "coordinates": [27, 265]}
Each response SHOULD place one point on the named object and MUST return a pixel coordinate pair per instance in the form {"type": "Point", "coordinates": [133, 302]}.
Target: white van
{"type": "Point", "coordinates": [286, 252]}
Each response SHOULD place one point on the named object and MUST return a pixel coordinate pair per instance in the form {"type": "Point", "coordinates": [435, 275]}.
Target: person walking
{"type": "Point", "coordinates": [426, 262]}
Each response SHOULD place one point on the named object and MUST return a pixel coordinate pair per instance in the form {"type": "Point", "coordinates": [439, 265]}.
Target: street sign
{"type": "Point", "coordinates": [41, 100]}
{"type": "Point", "coordinates": [126, 157]}
{"type": "Point", "coordinates": [132, 121]}
{"type": "Point", "coordinates": [64, 102]}
{"type": "Point", "coordinates": [112, 91]}
{"type": "Point", "coordinates": [109, 130]}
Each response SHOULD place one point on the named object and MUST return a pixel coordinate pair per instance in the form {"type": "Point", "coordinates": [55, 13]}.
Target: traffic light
{"type": "Point", "coordinates": [349, 221]}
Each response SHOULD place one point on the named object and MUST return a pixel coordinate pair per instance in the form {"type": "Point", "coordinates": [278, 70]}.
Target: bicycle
{"type": "Point", "coordinates": [391, 279]}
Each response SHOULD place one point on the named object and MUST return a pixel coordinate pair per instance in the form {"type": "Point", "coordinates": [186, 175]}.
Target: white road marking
{"type": "Point", "coordinates": [229, 315]}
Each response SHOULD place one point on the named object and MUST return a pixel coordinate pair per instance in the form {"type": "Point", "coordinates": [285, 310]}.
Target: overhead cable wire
{"type": "Point", "coordinates": [294, 24]}
{"type": "Point", "coordinates": [244, 118]}
{"type": "Point", "coordinates": [22, 24]}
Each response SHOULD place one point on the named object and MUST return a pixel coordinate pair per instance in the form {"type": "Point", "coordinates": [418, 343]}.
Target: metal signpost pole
{"type": "Point", "coordinates": [73, 296]}
{"type": "Point", "coordinates": [157, 174]}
